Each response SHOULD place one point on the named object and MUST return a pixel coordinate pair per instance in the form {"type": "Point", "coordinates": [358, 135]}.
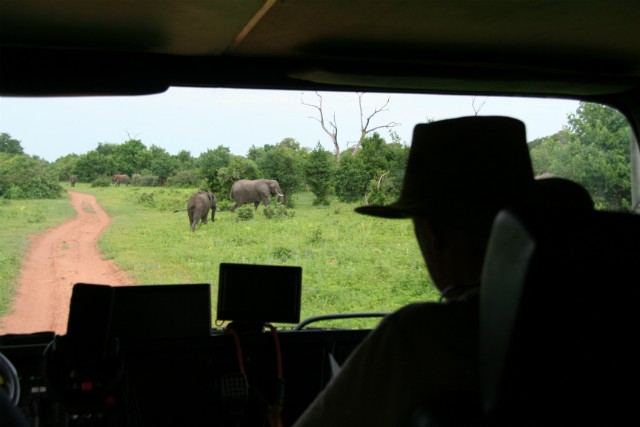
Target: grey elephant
{"type": "Point", "coordinates": [120, 179]}
{"type": "Point", "coordinates": [73, 179]}
{"type": "Point", "coordinates": [198, 208]}
{"type": "Point", "coordinates": [255, 191]}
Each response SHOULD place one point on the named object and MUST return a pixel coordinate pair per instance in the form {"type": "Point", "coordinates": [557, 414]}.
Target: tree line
{"type": "Point", "coordinates": [592, 149]}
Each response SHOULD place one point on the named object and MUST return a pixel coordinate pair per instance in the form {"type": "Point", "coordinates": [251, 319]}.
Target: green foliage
{"type": "Point", "coordinates": [146, 181]}
{"type": "Point", "coordinates": [351, 179]}
{"type": "Point", "coordinates": [101, 181]}
{"type": "Point", "coordinates": [10, 145]}
{"type": "Point", "coordinates": [184, 178]}
{"type": "Point", "coordinates": [238, 168]}
{"type": "Point", "coordinates": [284, 163]}
{"type": "Point", "coordinates": [594, 151]}
{"type": "Point", "coordinates": [209, 164]}
{"type": "Point", "coordinates": [278, 211]}
{"type": "Point", "coordinates": [282, 254]}
{"type": "Point", "coordinates": [319, 171]}
{"type": "Point", "coordinates": [65, 166]}
{"type": "Point", "coordinates": [26, 177]}
{"type": "Point", "coordinates": [244, 213]}
{"type": "Point", "coordinates": [163, 165]}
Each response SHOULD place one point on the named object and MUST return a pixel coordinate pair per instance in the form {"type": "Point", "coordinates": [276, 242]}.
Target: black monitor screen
{"type": "Point", "coordinates": [166, 311]}
{"type": "Point", "coordinates": [259, 293]}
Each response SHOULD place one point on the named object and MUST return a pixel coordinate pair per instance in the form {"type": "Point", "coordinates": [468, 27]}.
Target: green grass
{"type": "Point", "coordinates": [350, 262]}
{"type": "Point", "coordinates": [20, 219]}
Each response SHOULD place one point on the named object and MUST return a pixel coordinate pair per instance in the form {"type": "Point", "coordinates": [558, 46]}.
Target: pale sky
{"type": "Point", "coordinates": [199, 119]}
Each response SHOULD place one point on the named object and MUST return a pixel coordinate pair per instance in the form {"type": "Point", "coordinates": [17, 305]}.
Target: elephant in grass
{"type": "Point", "coordinates": [255, 191]}
{"type": "Point", "coordinates": [120, 179]}
{"type": "Point", "coordinates": [73, 180]}
{"type": "Point", "coordinates": [198, 208]}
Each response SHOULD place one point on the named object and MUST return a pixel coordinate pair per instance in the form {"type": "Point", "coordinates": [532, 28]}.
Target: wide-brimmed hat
{"type": "Point", "coordinates": [464, 166]}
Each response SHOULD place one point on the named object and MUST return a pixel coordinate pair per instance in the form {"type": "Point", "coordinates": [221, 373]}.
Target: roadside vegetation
{"type": "Point", "coordinates": [20, 219]}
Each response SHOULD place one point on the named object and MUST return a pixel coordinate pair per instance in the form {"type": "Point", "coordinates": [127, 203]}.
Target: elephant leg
{"type": "Point", "coordinates": [233, 208]}
{"type": "Point", "coordinates": [265, 201]}
{"type": "Point", "coordinates": [256, 204]}
{"type": "Point", "coordinates": [192, 222]}
{"type": "Point", "coordinates": [203, 217]}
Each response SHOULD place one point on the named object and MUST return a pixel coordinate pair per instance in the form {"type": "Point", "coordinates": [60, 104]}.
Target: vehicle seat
{"type": "Point", "coordinates": [559, 319]}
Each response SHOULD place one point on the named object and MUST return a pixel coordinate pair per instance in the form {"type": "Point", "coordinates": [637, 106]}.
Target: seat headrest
{"type": "Point", "coordinates": [559, 295]}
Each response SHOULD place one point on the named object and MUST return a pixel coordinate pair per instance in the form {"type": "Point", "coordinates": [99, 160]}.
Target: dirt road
{"type": "Point", "coordinates": [57, 259]}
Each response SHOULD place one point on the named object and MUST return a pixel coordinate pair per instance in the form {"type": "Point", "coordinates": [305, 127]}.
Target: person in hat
{"type": "Point", "coordinates": [460, 173]}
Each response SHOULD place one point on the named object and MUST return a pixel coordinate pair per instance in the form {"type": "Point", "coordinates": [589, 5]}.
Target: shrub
{"type": "Point", "coordinates": [184, 179]}
{"type": "Point", "coordinates": [282, 254]}
{"type": "Point", "coordinates": [147, 199]}
{"type": "Point", "coordinates": [102, 181]}
{"type": "Point", "coordinates": [147, 181]}
{"type": "Point", "coordinates": [277, 212]}
{"type": "Point", "coordinates": [25, 177]}
{"type": "Point", "coordinates": [245, 213]}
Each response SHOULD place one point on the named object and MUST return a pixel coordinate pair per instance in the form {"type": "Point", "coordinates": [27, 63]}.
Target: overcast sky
{"type": "Point", "coordinates": [199, 119]}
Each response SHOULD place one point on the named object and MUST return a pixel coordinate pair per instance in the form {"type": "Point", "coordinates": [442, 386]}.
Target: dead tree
{"type": "Point", "coordinates": [333, 133]}
{"type": "Point", "coordinates": [332, 129]}
{"type": "Point", "coordinates": [364, 123]}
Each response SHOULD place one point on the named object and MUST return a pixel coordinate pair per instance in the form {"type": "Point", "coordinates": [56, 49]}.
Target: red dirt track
{"type": "Point", "coordinates": [57, 259]}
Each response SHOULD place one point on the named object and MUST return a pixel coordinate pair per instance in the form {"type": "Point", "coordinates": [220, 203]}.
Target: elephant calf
{"type": "Point", "coordinates": [255, 191]}
{"type": "Point", "coordinates": [198, 207]}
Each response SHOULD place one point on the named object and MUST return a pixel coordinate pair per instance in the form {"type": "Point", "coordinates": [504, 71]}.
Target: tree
{"type": "Point", "coordinates": [331, 128]}
{"type": "Point", "coordinates": [131, 156]}
{"type": "Point", "coordinates": [366, 122]}
{"type": "Point", "coordinates": [94, 164]}
{"type": "Point", "coordinates": [351, 179]}
{"type": "Point", "coordinates": [210, 162]}
{"type": "Point", "coordinates": [238, 168]}
{"type": "Point", "coordinates": [163, 165]}
{"type": "Point", "coordinates": [284, 163]}
{"type": "Point", "coordinates": [65, 166]}
{"type": "Point", "coordinates": [10, 145]}
{"type": "Point", "coordinates": [319, 171]}
{"type": "Point", "coordinates": [593, 150]}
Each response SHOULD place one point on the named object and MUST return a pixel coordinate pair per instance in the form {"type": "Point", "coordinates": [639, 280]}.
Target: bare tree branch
{"type": "Point", "coordinates": [365, 122]}
{"type": "Point", "coordinates": [333, 132]}
{"type": "Point", "coordinates": [477, 109]}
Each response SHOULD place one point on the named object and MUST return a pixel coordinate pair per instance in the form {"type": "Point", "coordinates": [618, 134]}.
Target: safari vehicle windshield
{"type": "Point", "coordinates": [96, 190]}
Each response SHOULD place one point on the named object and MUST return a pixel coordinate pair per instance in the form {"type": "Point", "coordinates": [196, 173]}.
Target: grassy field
{"type": "Point", "coordinates": [351, 263]}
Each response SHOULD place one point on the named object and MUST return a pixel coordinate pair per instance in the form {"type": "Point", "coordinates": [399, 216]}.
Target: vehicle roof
{"type": "Point", "coordinates": [560, 48]}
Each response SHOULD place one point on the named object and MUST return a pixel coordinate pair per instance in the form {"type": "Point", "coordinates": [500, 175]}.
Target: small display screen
{"type": "Point", "coordinates": [259, 293]}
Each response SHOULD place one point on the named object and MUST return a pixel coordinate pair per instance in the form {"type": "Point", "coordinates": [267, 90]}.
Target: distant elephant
{"type": "Point", "coordinates": [255, 191]}
{"type": "Point", "coordinates": [120, 179]}
{"type": "Point", "coordinates": [198, 207]}
{"type": "Point", "coordinates": [73, 179]}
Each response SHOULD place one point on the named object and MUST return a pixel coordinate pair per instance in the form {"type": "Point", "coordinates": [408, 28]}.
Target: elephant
{"type": "Point", "coordinates": [73, 179]}
{"type": "Point", "coordinates": [120, 179]}
{"type": "Point", "coordinates": [255, 191]}
{"type": "Point", "coordinates": [198, 207]}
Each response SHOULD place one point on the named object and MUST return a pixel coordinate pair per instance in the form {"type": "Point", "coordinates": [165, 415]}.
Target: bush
{"type": "Point", "coordinates": [245, 213]}
{"type": "Point", "coordinates": [25, 177]}
{"type": "Point", "coordinates": [147, 181]}
{"type": "Point", "coordinates": [282, 254]}
{"type": "Point", "coordinates": [184, 179]}
{"type": "Point", "coordinates": [277, 212]}
{"type": "Point", "coordinates": [102, 181]}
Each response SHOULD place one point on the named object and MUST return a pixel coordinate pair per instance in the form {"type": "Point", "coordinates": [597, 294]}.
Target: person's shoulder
{"type": "Point", "coordinates": [433, 314]}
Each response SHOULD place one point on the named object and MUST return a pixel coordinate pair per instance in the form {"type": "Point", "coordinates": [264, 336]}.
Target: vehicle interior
{"type": "Point", "coordinates": [557, 308]}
